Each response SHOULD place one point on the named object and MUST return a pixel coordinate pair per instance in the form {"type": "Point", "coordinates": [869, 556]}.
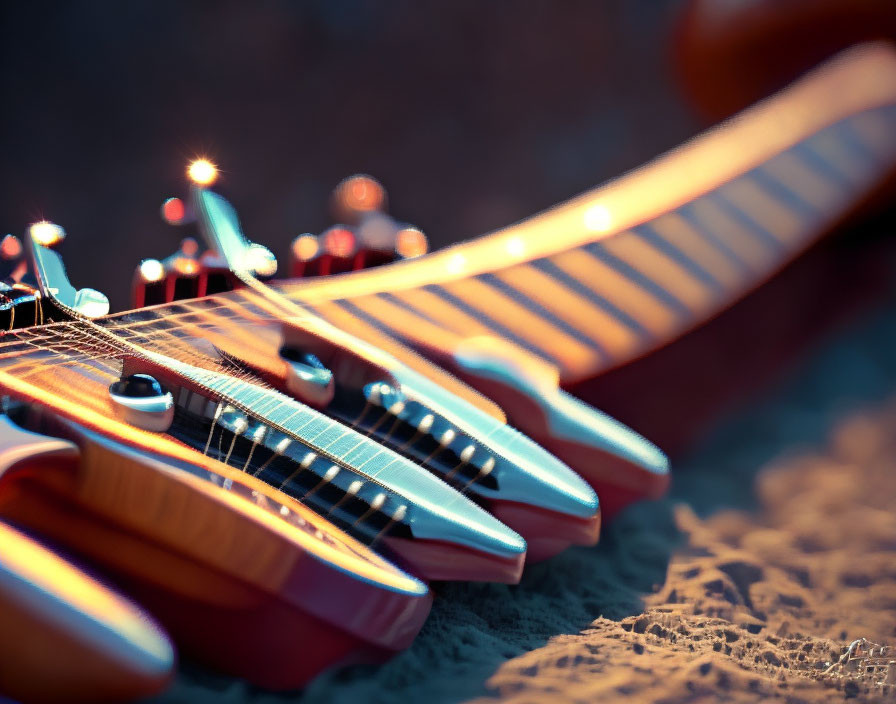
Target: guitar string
{"type": "Point", "coordinates": [346, 455]}
{"type": "Point", "coordinates": [203, 309]}
{"type": "Point", "coordinates": [287, 287]}
{"type": "Point", "coordinates": [206, 310]}
{"type": "Point", "coordinates": [357, 422]}
{"type": "Point", "coordinates": [69, 360]}
{"type": "Point", "coordinates": [117, 349]}
{"type": "Point", "coordinates": [76, 337]}
{"type": "Point", "coordinates": [163, 332]}
{"type": "Point", "coordinates": [167, 329]}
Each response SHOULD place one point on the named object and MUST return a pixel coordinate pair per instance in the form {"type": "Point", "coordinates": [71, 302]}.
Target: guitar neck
{"type": "Point", "coordinates": [610, 275]}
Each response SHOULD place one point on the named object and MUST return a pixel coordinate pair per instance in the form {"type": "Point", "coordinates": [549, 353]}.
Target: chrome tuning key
{"type": "Point", "coordinates": [190, 272]}
{"type": "Point", "coordinates": [52, 281]}
{"type": "Point", "coordinates": [140, 400]}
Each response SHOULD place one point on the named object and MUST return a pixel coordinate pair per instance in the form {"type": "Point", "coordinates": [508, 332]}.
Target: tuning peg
{"type": "Point", "coordinates": [370, 238]}
{"type": "Point", "coordinates": [182, 271]}
{"type": "Point", "coordinates": [187, 274]}
{"type": "Point", "coordinates": [410, 242]}
{"type": "Point", "coordinates": [308, 378]}
{"type": "Point", "coordinates": [140, 400]}
{"type": "Point", "coordinates": [149, 286]}
{"type": "Point", "coordinates": [172, 278]}
{"type": "Point", "coordinates": [52, 280]}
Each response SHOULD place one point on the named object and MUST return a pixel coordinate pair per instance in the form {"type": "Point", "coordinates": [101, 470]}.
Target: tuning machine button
{"type": "Point", "coordinates": [140, 400]}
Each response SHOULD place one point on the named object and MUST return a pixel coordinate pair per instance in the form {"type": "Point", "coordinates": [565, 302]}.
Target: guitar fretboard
{"type": "Point", "coordinates": [623, 272]}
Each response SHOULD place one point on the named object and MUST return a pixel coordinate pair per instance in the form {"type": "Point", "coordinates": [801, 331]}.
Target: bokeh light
{"type": "Point", "coordinates": [151, 270]}
{"type": "Point", "coordinates": [598, 218]}
{"type": "Point", "coordinates": [47, 233]}
{"type": "Point", "coordinates": [361, 193]}
{"type": "Point", "coordinates": [410, 242]}
{"type": "Point", "coordinates": [173, 211]}
{"type": "Point", "coordinates": [305, 247]}
{"type": "Point", "coordinates": [339, 241]}
{"type": "Point", "coordinates": [202, 172]}
{"type": "Point", "coordinates": [261, 260]}
{"type": "Point", "coordinates": [10, 247]}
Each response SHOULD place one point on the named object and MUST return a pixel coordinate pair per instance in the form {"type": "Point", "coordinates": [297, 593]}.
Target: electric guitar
{"type": "Point", "coordinates": [277, 465]}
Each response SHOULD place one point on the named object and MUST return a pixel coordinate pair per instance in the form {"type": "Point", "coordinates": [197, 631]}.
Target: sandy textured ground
{"type": "Point", "coordinates": [776, 549]}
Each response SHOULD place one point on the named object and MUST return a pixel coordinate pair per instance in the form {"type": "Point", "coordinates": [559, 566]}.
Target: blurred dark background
{"type": "Point", "coordinates": [473, 114]}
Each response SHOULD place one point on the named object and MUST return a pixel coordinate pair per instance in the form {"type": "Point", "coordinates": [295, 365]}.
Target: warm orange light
{"type": "Point", "coordinates": [151, 270]}
{"type": "Point", "coordinates": [361, 193]}
{"type": "Point", "coordinates": [173, 211]}
{"type": "Point", "coordinates": [339, 241]}
{"type": "Point", "coordinates": [189, 247]}
{"type": "Point", "coordinates": [456, 263]}
{"type": "Point", "coordinates": [46, 233]}
{"type": "Point", "coordinates": [25, 562]}
{"type": "Point", "coordinates": [410, 242]}
{"type": "Point", "coordinates": [202, 172]}
{"type": "Point", "coordinates": [186, 266]}
{"type": "Point", "coordinates": [305, 247]}
{"type": "Point", "coordinates": [10, 247]}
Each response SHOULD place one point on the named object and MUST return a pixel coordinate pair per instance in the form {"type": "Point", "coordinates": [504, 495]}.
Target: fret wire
{"type": "Point", "coordinates": [555, 326]}
{"type": "Point", "coordinates": [663, 244]}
